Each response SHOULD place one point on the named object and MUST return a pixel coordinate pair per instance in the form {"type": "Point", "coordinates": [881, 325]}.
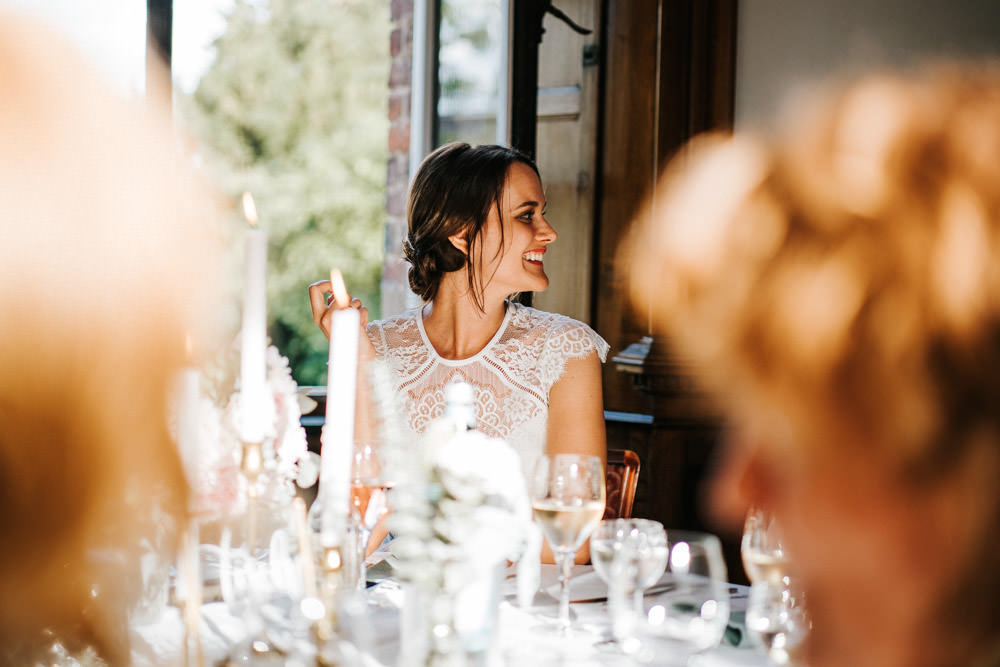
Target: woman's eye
{"type": "Point", "coordinates": [527, 216]}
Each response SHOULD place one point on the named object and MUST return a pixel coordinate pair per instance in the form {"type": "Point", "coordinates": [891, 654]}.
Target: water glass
{"type": "Point", "coordinates": [692, 615]}
{"type": "Point", "coordinates": [630, 555]}
{"type": "Point", "coordinates": [776, 619]}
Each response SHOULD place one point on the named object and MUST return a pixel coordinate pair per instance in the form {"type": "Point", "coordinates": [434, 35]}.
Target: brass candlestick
{"type": "Point", "coordinates": [324, 629]}
{"type": "Point", "coordinates": [251, 466]}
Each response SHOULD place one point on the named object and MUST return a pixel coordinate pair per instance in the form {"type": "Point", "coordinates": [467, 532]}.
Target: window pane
{"type": "Point", "coordinates": [471, 56]}
{"type": "Point", "coordinates": [288, 100]}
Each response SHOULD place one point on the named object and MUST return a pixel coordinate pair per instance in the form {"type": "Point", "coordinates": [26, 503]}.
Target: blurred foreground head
{"type": "Point", "coordinates": [838, 288]}
{"type": "Point", "coordinates": [101, 276]}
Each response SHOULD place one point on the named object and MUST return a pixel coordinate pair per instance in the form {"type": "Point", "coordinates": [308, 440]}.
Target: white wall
{"type": "Point", "coordinates": [785, 46]}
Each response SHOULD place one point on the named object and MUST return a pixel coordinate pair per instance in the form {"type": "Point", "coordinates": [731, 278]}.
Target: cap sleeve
{"type": "Point", "coordinates": [568, 339]}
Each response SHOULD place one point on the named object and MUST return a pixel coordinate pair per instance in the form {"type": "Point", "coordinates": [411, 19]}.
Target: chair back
{"type": "Point", "coordinates": [622, 478]}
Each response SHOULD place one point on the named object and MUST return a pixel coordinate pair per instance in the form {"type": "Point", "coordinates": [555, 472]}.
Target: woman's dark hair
{"type": "Point", "coordinates": [454, 189]}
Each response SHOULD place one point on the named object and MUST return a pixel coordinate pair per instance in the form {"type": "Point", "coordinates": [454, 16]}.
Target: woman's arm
{"type": "Point", "coordinates": [576, 421]}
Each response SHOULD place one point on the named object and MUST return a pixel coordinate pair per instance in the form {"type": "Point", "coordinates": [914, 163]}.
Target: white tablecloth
{"type": "Point", "coordinates": [517, 644]}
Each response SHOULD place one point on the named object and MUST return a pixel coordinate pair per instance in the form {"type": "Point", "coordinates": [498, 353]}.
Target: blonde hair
{"type": "Point", "coordinates": [102, 273]}
{"type": "Point", "coordinates": [849, 267]}
{"type": "Point", "coordinates": [843, 278]}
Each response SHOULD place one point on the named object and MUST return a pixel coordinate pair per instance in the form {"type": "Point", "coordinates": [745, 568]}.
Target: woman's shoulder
{"type": "Point", "coordinates": [394, 331]}
{"type": "Point", "coordinates": [558, 332]}
{"type": "Point", "coordinates": [404, 320]}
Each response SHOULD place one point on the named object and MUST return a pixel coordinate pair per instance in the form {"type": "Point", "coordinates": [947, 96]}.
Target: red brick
{"type": "Point", "coordinates": [399, 73]}
{"type": "Point", "coordinates": [400, 8]}
{"type": "Point", "coordinates": [399, 137]}
{"type": "Point", "coordinates": [395, 42]}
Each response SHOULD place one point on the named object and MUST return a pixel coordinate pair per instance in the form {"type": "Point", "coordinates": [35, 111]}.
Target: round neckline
{"type": "Point", "coordinates": [458, 362]}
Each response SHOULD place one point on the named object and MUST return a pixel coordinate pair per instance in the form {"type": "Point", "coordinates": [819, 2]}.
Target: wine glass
{"type": "Point", "coordinates": [776, 617]}
{"type": "Point", "coordinates": [369, 497]}
{"type": "Point", "coordinates": [764, 556]}
{"type": "Point", "coordinates": [630, 555]}
{"type": "Point", "coordinates": [692, 615]}
{"type": "Point", "coordinates": [567, 498]}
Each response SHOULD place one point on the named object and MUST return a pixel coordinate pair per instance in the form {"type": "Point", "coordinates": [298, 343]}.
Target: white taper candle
{"type": "Point", "coordinates": [253, 366]}
{"type": "Point", "coordinates": [338, 430]}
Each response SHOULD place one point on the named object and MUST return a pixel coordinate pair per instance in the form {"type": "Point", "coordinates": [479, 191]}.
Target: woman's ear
{"type": "Point", "coordinates": [460, 241]}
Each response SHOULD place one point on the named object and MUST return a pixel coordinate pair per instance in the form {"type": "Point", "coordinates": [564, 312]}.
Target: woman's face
{"type": "Point", "coordinates": [518, 265]}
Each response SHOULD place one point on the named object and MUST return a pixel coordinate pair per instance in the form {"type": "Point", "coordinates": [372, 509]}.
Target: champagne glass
{"type": "Point", "coordinates": [630, 555]}
{"type": "Point", "coordinates": [692, 615]}
{"type": "Point", "coordinates": [369, 497]}
{"type": "Point", "coordinates": [776, 617]}
{"type": "Point", "coordinates": [764, 556]}
{"type": "Point", "coordinates": [567, 497]}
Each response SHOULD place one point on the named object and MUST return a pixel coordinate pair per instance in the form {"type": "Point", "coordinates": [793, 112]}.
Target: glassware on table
{"type": "Point", "coordinates": [264, 590]}
{"type": "Point", "coordinates": [692, 615]}
{"type": "Point", "coordinates": [630, 555]}
{"type": "Point", "coordinates": [369, 497]}
{"type": "Point", "coordinates": [567, 498]}
{"type": "Point", "coordinates": [776, 617]}
{"type": "Point", "coordinates": [764, 556]}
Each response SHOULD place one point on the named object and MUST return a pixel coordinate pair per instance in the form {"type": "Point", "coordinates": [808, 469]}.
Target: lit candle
{"type": "Point", "coordinates": [253, 368]}
{"type": "Point", "coordinates": [338, 429]}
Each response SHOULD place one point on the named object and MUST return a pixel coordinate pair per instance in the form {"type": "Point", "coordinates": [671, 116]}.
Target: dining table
{"type": "Point", "coordinates": [374, 621]}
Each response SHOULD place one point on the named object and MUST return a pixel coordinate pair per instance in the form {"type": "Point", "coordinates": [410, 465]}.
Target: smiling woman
{"type": "Point", "coordinates": [478, 235]}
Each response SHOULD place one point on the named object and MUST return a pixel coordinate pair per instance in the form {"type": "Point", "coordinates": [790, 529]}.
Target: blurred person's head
{"type": "Point", "coordinates": [838, 288]}
{"type": "Point", "coordinates": [457, 192]}
{"type": "Point", "coordinates": [101, 274]}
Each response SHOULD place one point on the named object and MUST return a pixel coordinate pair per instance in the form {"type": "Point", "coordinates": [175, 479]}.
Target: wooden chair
{"type": "Point", "coordinates": [622, 478]}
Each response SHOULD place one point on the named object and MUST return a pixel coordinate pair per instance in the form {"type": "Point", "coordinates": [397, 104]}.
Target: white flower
{"type": "Point", "coordinates": [466, 506]}
{"type": "Point", "coordinates": [216, 481]}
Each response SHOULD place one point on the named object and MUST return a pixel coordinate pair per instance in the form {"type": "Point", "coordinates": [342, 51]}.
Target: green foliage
{"type": "Point", "coordinates": [294, 109]}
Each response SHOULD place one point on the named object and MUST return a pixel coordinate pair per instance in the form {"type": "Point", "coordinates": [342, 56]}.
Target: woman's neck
{"type": "Point", "coordinates": [454, 323]}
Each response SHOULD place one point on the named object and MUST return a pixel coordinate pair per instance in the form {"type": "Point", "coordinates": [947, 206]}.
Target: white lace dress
{"type": "Point", "coordinates": [512, 375]}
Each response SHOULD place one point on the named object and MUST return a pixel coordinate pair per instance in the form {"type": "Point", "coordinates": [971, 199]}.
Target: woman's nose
{"type": "Point", "coordinates": [546, 233]}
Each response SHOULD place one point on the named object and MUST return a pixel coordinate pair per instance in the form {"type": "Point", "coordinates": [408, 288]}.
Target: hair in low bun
{"type": "Point", "coordinates": [454, 190]}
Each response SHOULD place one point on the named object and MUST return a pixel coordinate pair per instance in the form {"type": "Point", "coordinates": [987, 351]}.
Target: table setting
{"type": "Point", "coordinates": [373, 623]}
{"type": "Point", "coordinates": [262, 579]}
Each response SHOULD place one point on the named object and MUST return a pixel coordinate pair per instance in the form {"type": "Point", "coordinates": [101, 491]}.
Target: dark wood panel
{"type": "Point", "coordinates": [668, 75]}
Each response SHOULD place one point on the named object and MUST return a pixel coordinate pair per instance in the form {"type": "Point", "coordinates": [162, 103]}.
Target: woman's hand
{"type": "Point", "coordinates": [323, 303]}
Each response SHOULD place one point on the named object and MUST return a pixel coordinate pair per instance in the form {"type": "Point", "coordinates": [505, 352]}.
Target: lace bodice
{"type": "Point", "coordinates": [512, 375]}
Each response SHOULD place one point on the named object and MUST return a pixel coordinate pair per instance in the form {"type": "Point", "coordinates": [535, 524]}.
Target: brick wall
{"type": "Point", "coordinates": [395, 287]}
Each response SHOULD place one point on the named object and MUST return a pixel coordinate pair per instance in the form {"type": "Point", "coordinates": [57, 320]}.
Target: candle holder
{"type": "Point", "coordinates": [251, 467]}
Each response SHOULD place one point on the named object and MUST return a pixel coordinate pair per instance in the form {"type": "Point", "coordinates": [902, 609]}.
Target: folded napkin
{"type": "Point", "coordinates": [379, 567]}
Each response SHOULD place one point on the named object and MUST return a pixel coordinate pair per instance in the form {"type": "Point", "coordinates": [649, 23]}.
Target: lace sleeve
{"type": "Point", "coordinates": [569, 339]}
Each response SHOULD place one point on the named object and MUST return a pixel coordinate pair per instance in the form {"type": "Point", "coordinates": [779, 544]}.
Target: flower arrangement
{"type": "Point", "coordinates": [462, 510]}
{"type": "Point", "coordinates": [217, 483]}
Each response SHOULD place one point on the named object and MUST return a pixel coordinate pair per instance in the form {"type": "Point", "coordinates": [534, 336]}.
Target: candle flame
{"type": "Point", "coordinates": [249, 209]}
{"type": "Point", "coordinates": [339, 289]}
{"type": "Point", "coordinates": [187, 345]}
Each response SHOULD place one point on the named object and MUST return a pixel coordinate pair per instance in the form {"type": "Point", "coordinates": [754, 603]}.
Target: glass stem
{"type": "Point", "coordinates": [565, 559]}
{"type": "Point", "coordinates": [364, 534]}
